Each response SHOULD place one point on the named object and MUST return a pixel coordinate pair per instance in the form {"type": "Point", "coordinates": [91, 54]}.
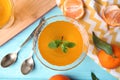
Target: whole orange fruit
{"type": "Point", "coordinates": [59, 77]}
{"type": "Point", "coordinates": [109, 61]}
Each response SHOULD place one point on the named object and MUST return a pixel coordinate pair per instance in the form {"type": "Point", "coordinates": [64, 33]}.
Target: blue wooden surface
{"type": "Point", "coordinates": [81, 72]}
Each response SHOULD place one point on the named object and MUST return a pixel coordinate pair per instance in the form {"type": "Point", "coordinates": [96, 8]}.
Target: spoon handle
{"type": "Point", "coordinates": [32, 34]}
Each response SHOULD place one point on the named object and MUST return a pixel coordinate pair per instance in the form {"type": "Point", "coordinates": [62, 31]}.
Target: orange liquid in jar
{"type": "Point", "coordinates": [54, 31]}
{"type": "Point", "coordinates": [5, 12]}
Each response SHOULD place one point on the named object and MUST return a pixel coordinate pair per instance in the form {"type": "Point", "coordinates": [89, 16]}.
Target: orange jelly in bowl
{"type": "Point", "coordinates": [67, 30]}
{"type": "Point", "coordinates": [55, 31]}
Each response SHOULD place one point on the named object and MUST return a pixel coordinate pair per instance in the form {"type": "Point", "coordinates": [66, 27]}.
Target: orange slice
{"type": "Point", "coordinates": [73, 8]}
{"type": "Point", "coordinates": [111, 15]}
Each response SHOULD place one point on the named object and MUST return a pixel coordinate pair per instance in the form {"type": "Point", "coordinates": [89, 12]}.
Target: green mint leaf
{"type": "Point", "coordinates": [52, 45]}
{"type": "Point", "coordinates": [58, 42]}
{"type": "Point", "coordinates": [64, 48]}
{"type": "Point", "coordinates": [70, 44]}
{"type": "Point", "coordinates": [94, 76]}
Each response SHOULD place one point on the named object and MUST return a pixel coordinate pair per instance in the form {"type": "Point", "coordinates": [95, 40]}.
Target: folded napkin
{"type": "Point", "coordinates": [92, 21]}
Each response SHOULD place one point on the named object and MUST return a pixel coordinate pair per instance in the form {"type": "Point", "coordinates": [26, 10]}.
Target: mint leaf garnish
{"type": "Point", "coordinates": [64, 48]}
{"type": "Point", "coordinates": [58, 42]}
{"type": "Point", "coordinates": [52, 44]}
{"type": "Point", "coordinates": [70, 44]}
{"type": "Point", "coordinates": [63, 44]}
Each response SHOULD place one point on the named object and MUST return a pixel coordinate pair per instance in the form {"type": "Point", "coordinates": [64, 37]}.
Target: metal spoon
{"type": "Point", "coordinates": [11, 58]}
{"type": "Point", "coordinates": [28, 64]}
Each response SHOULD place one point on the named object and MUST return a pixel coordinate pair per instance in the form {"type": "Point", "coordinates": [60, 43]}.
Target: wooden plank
{"type": "Point", "coordinates": [26, 12]}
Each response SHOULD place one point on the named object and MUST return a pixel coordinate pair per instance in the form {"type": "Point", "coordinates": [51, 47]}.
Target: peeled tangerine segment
{"type": "Point", "coordinates": [116, 20]}
{"type": "Point", "coordinates": [110, 8]}
{"type": "Point", "coordinates": [73, 8]}
{"type": "Point", "coordinates": [111, 15]}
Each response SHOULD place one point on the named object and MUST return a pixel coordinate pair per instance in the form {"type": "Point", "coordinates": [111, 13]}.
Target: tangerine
{"type": "Point", "coordinates": [109, 61]}
{"type": "Point", "coordinates": [111, 15]}
{"type": "Point", "coordinates": [59, 77]}
{"type": "Point", "coordinates": [73, 8]}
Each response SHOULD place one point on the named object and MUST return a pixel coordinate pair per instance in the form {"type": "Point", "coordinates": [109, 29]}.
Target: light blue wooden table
{"type": "Point", "coordinates": [81, 72]}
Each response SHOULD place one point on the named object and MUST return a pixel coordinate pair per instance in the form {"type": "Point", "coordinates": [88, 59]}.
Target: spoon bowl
{"type": "Point", "coordinates": [27, 66]}
{"type": "Point", "coordinates": [8, 59]}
